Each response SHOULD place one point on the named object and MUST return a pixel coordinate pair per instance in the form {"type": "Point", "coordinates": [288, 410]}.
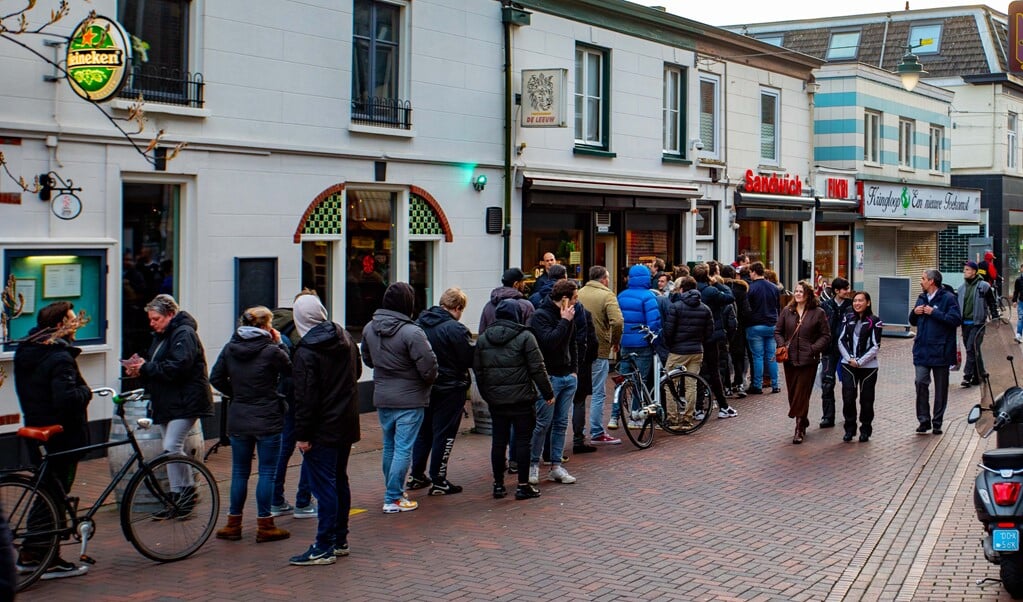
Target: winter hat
{"type": "Point", "coordinates": [970, 264]}
{"type": "Point", "coordinates": [511, 276]}
{"type": "Point", "coordinates": [400, 297]}
{"type": "Point", "coordinates": [989, 255]}
{"type": "Point", "coordinates": [509, 309]}
{"type": "Point", "coordinates": [308, 312]}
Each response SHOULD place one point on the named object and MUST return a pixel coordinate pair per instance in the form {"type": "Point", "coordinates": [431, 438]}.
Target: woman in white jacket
{"type": "Point", "coordinates": [859, 342]}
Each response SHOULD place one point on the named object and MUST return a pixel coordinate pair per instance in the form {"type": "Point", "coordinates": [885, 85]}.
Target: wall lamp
{"type": "Point", "coordinates": [910, 70]}
{"type": "Point", "coordinates": [479, 182]}
{"type": "Point", "coordinates": [696, 144]}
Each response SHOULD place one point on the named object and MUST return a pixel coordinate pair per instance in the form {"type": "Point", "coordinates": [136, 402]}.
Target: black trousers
{"type": "Point", "coordinates": [864, 381]}
{"type": "Point", "coordinates": [502, 428]}
{"type": "Point", "coordinates": [829, 366]}
{"type": "Point", "coordinates": [582, 391]}
{"type": "Point", "coordinates": [437, 433]}
{"type": "Point", "coordinates": [710, 372]}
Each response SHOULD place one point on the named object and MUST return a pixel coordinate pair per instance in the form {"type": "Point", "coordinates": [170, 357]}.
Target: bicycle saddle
{"type": "Point", "coordinates": [40, 433]}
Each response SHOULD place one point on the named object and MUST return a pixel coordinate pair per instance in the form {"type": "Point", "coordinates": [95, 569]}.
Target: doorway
{"type": "Point", "coordinates": [606, 254]}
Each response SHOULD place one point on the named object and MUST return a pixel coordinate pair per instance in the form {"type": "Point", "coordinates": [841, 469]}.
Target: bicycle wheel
{"type": "Point", "coordinates": [165, 525]}
{"type": "Point", "coordinates": [35, 527]}
{"type": "Point", "coordinates": [643, 435]}
{"type": "Point", "coordinates": [683, 392]}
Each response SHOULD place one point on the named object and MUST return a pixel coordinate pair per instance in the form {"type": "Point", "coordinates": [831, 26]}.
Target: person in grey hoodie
{"type": "Point", "coordinates": [404, 369]}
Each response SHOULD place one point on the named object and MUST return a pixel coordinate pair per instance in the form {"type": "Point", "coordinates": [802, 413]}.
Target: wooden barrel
{"type": "Point", "coordinates": [150, 441]}
{"type": "Point", "coordinates": [480, 412]}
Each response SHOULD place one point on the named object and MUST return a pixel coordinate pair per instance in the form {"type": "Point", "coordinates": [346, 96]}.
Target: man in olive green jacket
{"type": "Point", "coordinates": [602, 304]}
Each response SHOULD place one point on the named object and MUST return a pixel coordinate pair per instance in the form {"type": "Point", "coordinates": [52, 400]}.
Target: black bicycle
{"type": "Point", "coordinates": [164, 523]}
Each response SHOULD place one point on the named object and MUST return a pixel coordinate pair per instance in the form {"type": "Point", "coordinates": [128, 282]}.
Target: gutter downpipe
{"type": "Point", "coordinates": [506, 232]}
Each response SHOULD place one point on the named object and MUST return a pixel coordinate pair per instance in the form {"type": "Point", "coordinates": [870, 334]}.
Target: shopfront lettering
{"type": "Point", "coordinates": [901, 201]}
{"type": "Point", "coordinates": [773, 184]}
{"type": "Point", "coordinates": [838, 188]}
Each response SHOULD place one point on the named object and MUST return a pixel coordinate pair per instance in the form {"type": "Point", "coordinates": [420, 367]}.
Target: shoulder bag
{"type": "Point", "coordinates": [781, 354]}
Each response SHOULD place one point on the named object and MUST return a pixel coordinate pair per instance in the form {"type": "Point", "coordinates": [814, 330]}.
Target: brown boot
{"type": "Point", "coordinates": [233, 529]}
{"type": "Point", "coordinates": [267, 531]}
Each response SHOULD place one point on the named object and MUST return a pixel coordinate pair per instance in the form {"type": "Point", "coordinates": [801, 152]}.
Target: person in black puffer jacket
{"type": "Point", "coordinates": [51, 390]}
{"type": "Point", "coordinates": [248, 371]}
{"type": "Point", "coordinates": [452, 344]}
{"type": "Point", "coordinates": [175, 379]}
{"type": "Point", "coordinates": [715, 296]}
{"type": "Point", "coordinates": [509, 370]}
{"type": "Point", "coordinates": [326, 374]}
{"type": "Point", "coordinates": [688, 325]}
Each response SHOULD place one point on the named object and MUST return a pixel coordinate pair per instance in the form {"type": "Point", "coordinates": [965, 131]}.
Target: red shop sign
{"type": "Point", "coordinates": [773, 184]}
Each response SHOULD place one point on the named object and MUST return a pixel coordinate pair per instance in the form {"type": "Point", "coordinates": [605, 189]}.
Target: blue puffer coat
{"type": "Point", "coordinates": [639, 307]}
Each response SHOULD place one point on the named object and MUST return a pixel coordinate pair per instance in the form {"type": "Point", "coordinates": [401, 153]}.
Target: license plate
{"type": "Point", "coordinates": [1005, 540]}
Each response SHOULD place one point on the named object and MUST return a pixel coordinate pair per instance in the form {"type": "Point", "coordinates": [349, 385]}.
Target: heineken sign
{"type": "Point", "coordinates": [98, 56]}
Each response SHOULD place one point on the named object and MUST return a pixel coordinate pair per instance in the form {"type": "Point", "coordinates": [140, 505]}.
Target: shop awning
{"type": "Point", "coordinates": [773, 215]}
{"type": "Point", "coordinates": [839, 205]}
{"type": "Point", "coordinates": [838, 211]}
{"type": "Point", "coordinates": [535, 180]}
{"type": "Point", "coordinates": [778, 201]}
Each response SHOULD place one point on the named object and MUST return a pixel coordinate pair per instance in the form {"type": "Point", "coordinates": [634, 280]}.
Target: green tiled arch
{"type": "Point", "coordinates": [422, 219]}
{"type": "Point", "coordinates": [327, 218]}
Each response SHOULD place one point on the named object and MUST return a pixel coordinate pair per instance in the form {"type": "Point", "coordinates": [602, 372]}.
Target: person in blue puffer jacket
{"type": "Point", "coordinates": [639, 308]}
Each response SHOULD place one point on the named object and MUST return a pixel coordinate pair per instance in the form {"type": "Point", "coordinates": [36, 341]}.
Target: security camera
{"type": "Point", "coordinates": [697, 144]}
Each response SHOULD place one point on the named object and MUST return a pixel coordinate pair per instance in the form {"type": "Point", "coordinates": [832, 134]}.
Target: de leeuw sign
{"type": "Point", "coordinates": [98, 56]}
{"type": "Point", "coordinates": [543, 98]}
{"type": "Point", "coordinates": [900, 201]}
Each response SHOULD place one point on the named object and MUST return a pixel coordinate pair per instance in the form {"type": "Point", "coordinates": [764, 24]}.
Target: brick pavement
{"type": "Point", "coordinates": [734, 512]}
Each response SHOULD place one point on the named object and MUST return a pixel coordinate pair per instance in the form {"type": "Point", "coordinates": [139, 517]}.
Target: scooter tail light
{"type": "Point", "coordinates": [1005, 494]}
{"type": "Point", "coordinates": [1005, 525]}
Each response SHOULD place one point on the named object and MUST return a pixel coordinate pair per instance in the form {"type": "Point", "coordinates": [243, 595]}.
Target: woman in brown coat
{"type": "Point", "coordinates": [803, 327]}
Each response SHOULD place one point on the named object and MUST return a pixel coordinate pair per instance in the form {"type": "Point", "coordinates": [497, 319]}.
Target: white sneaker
{"type": "Point", "coordinates": [699, 416]}
{"type": "Point", "coordinates": [613, 423]}
{"type": "Point", "coordinates": [728, 412]}
{"type": "Point", "coordinates": [534, 474]}
{"type": "Point", "coordinates": [560, 475]}
{"type": "Point", "coordinates": [635, 424]}
{"type": "Point", "coordinates": [401, 505]}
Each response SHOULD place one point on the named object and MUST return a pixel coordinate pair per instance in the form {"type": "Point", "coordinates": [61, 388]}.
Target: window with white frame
{"type": "Point", "coordinates": [672, 111]}
{"type": "Point", "coordinates": [906, 131]}
{"type": "Point", "coordinates": [591, 90]}
{"type": "Point", "coordinates": [843, 45]}
{"type": "Point", "coordinates": [161, 73]}
{"type": "Point", "coordinates": [1012, 142]}
{"type": "Point", "coordinates": [926, 38]}
{"type": "Point", "coordinates": [770, 121]}
{"type": "Point", "coordinates": [872, 137]}
{"type": "Point", "coordinates": [377, 63]}
{"type": "Point", "coordinates": [709, 122]}
{"type": "Point", "coordinates": [936, 145]}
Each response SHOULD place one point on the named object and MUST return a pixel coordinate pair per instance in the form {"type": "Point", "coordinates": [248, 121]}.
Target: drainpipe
{"type": "Point", "coordinates": [509, 16]}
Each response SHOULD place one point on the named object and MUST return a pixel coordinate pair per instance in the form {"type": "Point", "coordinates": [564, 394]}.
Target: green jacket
{"type": "Point", "coordinates": [608, 322]}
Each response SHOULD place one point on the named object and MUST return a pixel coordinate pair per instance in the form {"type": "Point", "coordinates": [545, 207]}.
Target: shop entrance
{"type": "Point", "coordinates": [606, 254]}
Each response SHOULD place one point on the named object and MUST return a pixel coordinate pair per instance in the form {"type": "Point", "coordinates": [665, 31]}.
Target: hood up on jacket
{"type": "Point", "coordinates": [505, 292]}
{"type": "Point", "coordinates": [307, 313]}
{"type": "Point", "coordinates": [400, 298]}
{"type": "Point", "coordinates": [387, 322]}
{"type": "Point", "coordinates": [639, 276]}
{"type": "Point", "coordinates": [691, 298]}
{"type": "Point", "coordinates": [509, 309]}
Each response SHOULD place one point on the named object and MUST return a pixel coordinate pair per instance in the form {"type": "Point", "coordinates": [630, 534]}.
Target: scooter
{"type": "Point", "coordinates": [997, 489]}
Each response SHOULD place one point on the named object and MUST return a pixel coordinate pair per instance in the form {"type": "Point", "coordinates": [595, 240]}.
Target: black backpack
{"type": "Point", "coordinates": [730, 320]}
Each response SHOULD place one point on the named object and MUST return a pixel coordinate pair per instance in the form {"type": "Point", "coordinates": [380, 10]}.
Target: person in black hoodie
{"type": "Point", "coordinates": [175, 379]}
{"type": "Point", "coordinates": [513, 282]}
{"type": "Point", "coordinates": [248, 371]}
{"type": "Point", "coordinates": [51, 390]}
{"type": "Point", "coordinates": [452, 344]}
{"type": "Point", "coordinates": [715, 296]}
{"type": "Point", "coordinates": [326, 369]}
{"type": "Point", "coordinates": [509, 370]}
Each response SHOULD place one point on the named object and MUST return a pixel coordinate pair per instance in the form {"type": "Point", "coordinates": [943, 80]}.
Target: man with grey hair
{"type": "Point", "coordinates": [936, 316]}
{"type": "Point", "coordinates": [602, 304]}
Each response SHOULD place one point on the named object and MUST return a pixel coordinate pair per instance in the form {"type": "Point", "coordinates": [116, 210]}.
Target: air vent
{"type": "Point", "coordinates": [494, 220]}
{"type": "Point", "coordinates": [603, 222]}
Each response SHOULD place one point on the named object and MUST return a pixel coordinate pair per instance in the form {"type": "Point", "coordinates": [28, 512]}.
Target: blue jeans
{"type": "Point", "coordinates": [1019, 318]}
{"type": "Point", "coordinates": [268, 449]}
{"type": "Point", "coordinates": [601, 366]}
{"type": "Point", "coordinates": [762, 345]}
{"type": "Point", "coordinates": [644, 363]}
{"type": "Point", "coordinates": [399, 427]}
{"type": "Point", "coordinates": [302, 496]}
{"type": "Point", "coordinates": [321, 462]}
{"type": "Point", "coordinates": [554, 417]}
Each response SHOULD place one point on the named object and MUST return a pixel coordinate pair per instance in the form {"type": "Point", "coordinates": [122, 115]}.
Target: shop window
{"type": "Point", "coordinates": [592, 91]}
{"type": "Point", "coordinates": [758, 240]}
{"type": "Point", "coordinates": [843, 45]}
{"type": "Point", "coordinates": [369, 235]}
{"type": "Point", "coordinates": [672, 111]}
{"type": "Point", "coordinates": [558, 233]}
{"type": "Point", "coordinates": [872, 137]}
{"type": "Point", "coordinates": [925, 39]}
{"type": "Point", "coordinates": [377, 63]}
{"type": "Point", "coordinates": [831, 256]}
{"type": "Point", "coordinates": [709, 112]}
{"type": "Point", "coordinates": [161, 73]}
{"type": "Point", "coordinates": [651, 235]}
{"type": "Point", "coordinates": [936, 145]}
{"type": "Point", "coordinates": [150, 243]}
{"type": "Point", "coordinates": [770, 122]}
{"type": "Point", "coordinates": [906, 131]}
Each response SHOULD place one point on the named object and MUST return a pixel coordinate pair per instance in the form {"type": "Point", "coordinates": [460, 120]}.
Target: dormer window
{"type": "Point", "coordinates": [774, 39]}
{"type": "Point", "coordinates": [925, 39]}
{"type": "Point", "coordinates": [844, 45]}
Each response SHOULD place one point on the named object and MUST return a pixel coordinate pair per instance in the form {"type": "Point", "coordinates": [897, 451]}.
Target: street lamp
{"type": "Point", "coordinates": [910, 68]}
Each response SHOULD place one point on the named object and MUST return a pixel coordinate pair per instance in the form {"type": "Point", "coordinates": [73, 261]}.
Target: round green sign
{"type": "Point", "coordinates": [98, 56]}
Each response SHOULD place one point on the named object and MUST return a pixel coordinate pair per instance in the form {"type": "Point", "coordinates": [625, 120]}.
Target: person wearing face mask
{"type": "Point", "coordinates": [859, 341]}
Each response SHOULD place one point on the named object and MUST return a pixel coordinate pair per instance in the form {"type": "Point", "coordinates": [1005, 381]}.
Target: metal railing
{"type": "Point", "coordinates": [165, 86]}
{"type": "Point", "coordinates": [386, 112]}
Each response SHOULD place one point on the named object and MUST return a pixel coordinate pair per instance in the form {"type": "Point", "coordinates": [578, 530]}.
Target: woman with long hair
{"type": "Point", "coordinates": [859, 342]}
{"type": "Point", "coordinates": [248, 371]}
{"type": "Point", "coordinates": [803, 330]}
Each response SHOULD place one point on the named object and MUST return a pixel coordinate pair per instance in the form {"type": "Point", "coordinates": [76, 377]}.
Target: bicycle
{"type": "Point", "coordinates": [163, 525]}
{"type": "Point", "coordinates": [667, 406]}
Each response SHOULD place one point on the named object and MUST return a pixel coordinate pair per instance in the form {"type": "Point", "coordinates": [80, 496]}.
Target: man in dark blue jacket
{"type": "Point", "coordinates": [836, 307]}
{"type": "Point", "coordinates": [936, 317]}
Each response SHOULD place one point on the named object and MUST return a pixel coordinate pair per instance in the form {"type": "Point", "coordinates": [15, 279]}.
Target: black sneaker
{"type": "Point", "coordinates": [582, 448]}
{"type": "Point", "coordinates": [922, 429]}
{"type": "Point", "coordinates": [527, 491]}
{"type": "Point", "coordinates": [755, 391]}
{"type": "Point", "coordinates": [417, 481]}
{"type": "Point", "coordinates": [499, 491]}
{"type": "Point", "coordinates": [827, 424]}
{"type": "Point", "coordinates": [313, 556]}
{"type": "Point", "coordinates": [937, 430]}
{"type": "Point", "coordinates": [445, 487]}
{"type": "Point", "coordinates": [513, 467]}
{"type": "Point", "coordinates": [966, 384]}
{"type": "Point", "coordinates": [60, 568]}
{"type": "Point", "coordinates": [342, 550]}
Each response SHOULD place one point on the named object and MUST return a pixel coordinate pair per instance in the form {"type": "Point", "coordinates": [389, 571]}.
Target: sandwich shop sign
{"type": "Point", "coordinates": [98, 56]}
{"type": "Point", "coordinates": [902, 201]}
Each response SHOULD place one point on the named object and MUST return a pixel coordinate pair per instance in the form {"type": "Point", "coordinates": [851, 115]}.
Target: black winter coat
{"type": "Point", "coordinates": [51, 390]}
{"type": "Point", "coordinates": [835, 312]}
{"type": "Point", "coordinates": [688, 324]}
{"type": "Point", "coordinates": [509, 367]}
{"type": "Point", "coordinates": [556, 337]}
{"type": "Point", "coordinates": [175, 372]}
{"type": "Point", "coordinates": [716, 297]}
{"type": "Point", "coordinates": [452, 344]}
{"type": "Point", "coordinates": [249, 371]}
{"type": "Point", "coordinates": [326, 370]}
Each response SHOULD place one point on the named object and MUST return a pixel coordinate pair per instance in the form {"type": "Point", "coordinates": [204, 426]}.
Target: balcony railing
{"type": "Point", "coordinates": [166, 86]}
{"type": "Point", "coordinates": [385, 112]}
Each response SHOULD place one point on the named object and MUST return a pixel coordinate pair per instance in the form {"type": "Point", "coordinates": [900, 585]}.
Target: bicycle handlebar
{"type": "Point", "coordinates": [133, 395]}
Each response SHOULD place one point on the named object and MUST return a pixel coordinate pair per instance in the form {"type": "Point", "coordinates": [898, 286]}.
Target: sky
{"type": "Point", "coordinates": [737, 12]}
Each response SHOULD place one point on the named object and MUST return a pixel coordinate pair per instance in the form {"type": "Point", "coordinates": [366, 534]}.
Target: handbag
{"type": "Point", "coordinates": [781, 354]}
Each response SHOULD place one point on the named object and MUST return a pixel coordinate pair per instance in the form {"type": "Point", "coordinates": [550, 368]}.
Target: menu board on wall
{"type": "Point", "coordinates": [62, 281]}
